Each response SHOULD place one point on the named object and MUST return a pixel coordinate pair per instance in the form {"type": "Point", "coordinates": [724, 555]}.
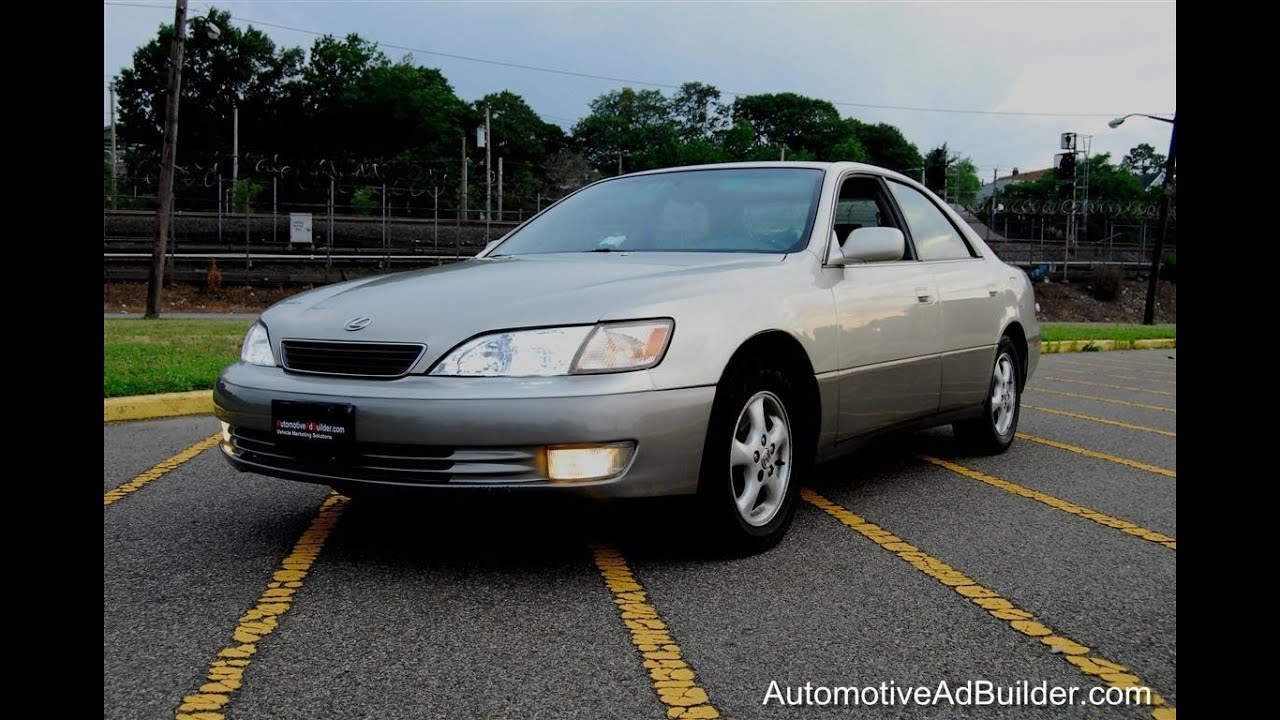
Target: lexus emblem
{"type": "Point", "coordinates": [357, 323]}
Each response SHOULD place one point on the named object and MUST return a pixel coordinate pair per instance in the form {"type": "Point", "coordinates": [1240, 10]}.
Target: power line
{"type": "Point", "coordinates": [632, 81]}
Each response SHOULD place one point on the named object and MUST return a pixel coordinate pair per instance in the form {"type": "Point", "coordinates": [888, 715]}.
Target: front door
{"type": "Point", "coordinates": [889, 323]}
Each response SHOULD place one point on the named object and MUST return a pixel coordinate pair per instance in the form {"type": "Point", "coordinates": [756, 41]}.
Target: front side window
{"type": "Point", "coordinates": [755, 210]}
{"type": "Point", "coordinates": [934, 236]}
{"type": "Point", "coordinates": [861, 204]}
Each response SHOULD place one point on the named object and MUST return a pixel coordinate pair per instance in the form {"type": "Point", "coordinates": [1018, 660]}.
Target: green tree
{"type": "Point", "coordinates": [243, 68]}
{"type": "Point", "coordinates": [364, 200]}
{"type": "Point", "coordinates": [936, 164]}
{"type": "Point", "coordinates": [362, 107]}
{"type": "Point", "coordinates": [887, 147]}
{"type": "Point", "coordinates": [1111, 188]}
{"type": "Point", "coordinates": [523, 140]}
{"type": "Point", "coordinates": [806, 127]}
{"type": "Point", "coordinates": [698, 113]}
{"type": "Point", "coordinates": [243, 193]}
{"type": "Point", "coordinates": [1143, 159]}
{"type": "Point", "coordinates": [634, 126]}
{"type": "Point", "coordinates": [954, 178]}
{"type": "Point", "coordinates": [963, 182]}
{"type": "Point", "coordinates": [850, 149]}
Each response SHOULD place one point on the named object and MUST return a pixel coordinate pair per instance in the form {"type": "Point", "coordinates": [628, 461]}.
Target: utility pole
{"type": "Point", "coordinates": [488, 175]}
{"type": "Point", "coordinates": [995, 175]}
{"type": "Point", "coordinates": [784, 154]}
{"type": "Point", "coordinates": [168, 157]}
{"type": "Point", "coordinates": [235, 144]}
{"type": "Point", "coordinates": [463, 212]}
{"type": "Point", "coordinates": [619, 162]}
{"type": "Point", "coordinates": [113, 144]}
{"type": "Point", "coordinates": [1157, 256]}
{"type": "Point", "coordinates": [499, 190]}
{"type": "Point", "coordinates": [235, 181]}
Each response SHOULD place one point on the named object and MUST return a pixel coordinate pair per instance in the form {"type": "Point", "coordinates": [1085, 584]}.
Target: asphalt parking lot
{"type": "Point", "coordinates": [249, 597]}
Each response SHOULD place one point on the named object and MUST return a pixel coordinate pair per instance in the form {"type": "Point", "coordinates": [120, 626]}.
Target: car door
{"type": "Point", "coordinates": [967, 297]}
{"type": "Point", "coordinates": [889, 322]}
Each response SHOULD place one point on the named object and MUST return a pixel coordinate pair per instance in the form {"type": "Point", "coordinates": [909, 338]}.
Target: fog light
{"type": "Point", "coordinates": [588, 462]}
{"type": "Point", "coordinates": [226, 431]}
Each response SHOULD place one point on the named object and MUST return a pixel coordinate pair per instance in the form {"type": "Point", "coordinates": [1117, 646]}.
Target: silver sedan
{"type": "Point", "coordinates": [707, 331]}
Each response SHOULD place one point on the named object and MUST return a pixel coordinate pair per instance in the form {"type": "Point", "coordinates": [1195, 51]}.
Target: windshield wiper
{"type": "Point", "coordinates": [603, 249]}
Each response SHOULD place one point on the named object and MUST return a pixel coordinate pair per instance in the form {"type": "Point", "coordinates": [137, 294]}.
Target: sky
{"type": "Point", "coordinates": [1083, 62]}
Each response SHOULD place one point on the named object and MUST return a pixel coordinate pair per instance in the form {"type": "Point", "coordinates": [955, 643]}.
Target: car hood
{"type": "Point", "coordinates": [445, 305]}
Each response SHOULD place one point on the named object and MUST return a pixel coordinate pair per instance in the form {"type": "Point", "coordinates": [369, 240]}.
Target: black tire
{"type": "Point", "coordinates": [717, 485]}
{"type": "Point", "coordinates": [982, 435]}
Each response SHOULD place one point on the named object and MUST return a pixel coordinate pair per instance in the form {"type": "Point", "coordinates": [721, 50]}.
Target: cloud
{"type": "Point", "coordinates": [1054, 57]}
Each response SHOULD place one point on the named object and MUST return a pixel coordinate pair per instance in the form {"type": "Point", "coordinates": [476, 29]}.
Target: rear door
{"type": "Point", "coordinates": [967, 297]}
{"type": "Point", "coordinates": [889, 322]}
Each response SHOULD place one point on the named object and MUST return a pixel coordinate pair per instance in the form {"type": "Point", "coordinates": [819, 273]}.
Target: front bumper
{"type": "Point", "coordinates": [455, 433]}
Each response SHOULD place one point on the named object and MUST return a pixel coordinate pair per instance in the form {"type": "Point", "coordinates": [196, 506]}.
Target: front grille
{"type": "Point", "coordinates": [386, 360]}
{"type": "Point", "coordinates": [403, 464]}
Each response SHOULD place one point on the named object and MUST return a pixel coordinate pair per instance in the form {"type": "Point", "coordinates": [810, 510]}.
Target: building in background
{"type": "Point", "coordinates": [1000, 184]}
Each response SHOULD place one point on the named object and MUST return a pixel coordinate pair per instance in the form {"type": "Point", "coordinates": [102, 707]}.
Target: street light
{"type": "Point", "coordinates": [1113, 124]}
{"type": "Point", "coordinates": [169, 153]}
{"type": "Point", "coordinates": [1166, 192]}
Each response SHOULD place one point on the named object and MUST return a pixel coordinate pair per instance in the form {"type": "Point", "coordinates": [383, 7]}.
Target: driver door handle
{"type": "Point", "coordinates": [924, 295]}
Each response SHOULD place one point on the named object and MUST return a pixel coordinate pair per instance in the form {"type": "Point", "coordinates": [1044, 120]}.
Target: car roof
{"type": "Point", "coordinates": [837, 167]}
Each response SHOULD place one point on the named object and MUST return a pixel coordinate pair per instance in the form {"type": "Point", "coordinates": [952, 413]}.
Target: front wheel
{"type": "Point", "coordinates": [993, 433]}
{"type": "Point", "coordinates": [753, 459]}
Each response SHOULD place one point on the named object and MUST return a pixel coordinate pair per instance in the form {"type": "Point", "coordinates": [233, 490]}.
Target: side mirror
{"type": "Point", "coordinates": [869, 244]}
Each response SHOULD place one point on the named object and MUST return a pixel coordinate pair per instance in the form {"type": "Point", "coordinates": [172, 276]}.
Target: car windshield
{"type": "Point", "coordinates": [755, 210]}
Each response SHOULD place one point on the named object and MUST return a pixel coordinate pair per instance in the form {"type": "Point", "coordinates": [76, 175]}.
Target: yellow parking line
{"type": "Point", "coordinates": [1099, 398]}
{"type": "Point", "coordinates": [1113, 387]}
{"type": "Point", "coordinates": [1083, 658]}
{"type": "Point", "coordinates": [1123, 526]}
{"type": "Point", "coordinates": [1104, 421]}
{"type": "Point", "coordinates": [1094, 372]}
{"type": "Point", "coordinates": [226, 672]}
{"type": "Point", "coordinates": [119, 492]}
{"type": "Point", "coordinates": [1099, 455]}
{"type": "Point", "coordinates": [673, 679]}
{"type": "Point", "coordinates": [1107, 361]}
{"type": "Point", "coordinates": [1124, 362]}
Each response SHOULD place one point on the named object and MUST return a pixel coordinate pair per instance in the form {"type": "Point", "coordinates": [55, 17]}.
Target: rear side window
{"type": "Point", "coordinates": [934, 236]}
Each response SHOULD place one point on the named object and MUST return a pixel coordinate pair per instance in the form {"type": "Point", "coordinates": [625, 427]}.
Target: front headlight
{"type": "Point", "coordinates": [256, 349]}
{"type": "Point", "coordinates": [578, 349]}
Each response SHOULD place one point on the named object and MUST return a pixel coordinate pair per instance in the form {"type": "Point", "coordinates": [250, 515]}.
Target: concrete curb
{"type": "Point", "coordinates": [146, 407]}
{"type": "Point", "coordinates": [200, 402]}
{"type": "Point", "coordinates": [1066, 346]}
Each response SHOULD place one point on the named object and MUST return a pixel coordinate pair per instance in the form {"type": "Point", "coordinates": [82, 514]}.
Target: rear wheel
{"type": "Point", "coordinates": [993, 433]}
{"type": "Point", "coordinates": [754, 458]}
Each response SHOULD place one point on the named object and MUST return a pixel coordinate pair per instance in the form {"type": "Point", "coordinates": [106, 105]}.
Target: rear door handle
{"type": "Point", "coordinates": [924, 295]}
{"type": "Point", "coordinates": [991, 290]}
